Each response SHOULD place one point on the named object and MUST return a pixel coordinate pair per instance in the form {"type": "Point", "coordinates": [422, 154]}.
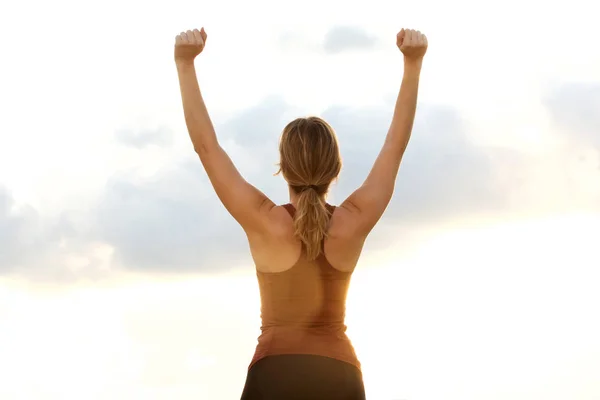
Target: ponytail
{"type": "Point", "coordinates": [309, 160]}
{"type": "Point", "coordinates": [311, 220]}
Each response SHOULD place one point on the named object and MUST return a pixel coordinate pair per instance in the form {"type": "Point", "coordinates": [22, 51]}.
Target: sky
{"type": "Point", "coordinates": [122, 276]}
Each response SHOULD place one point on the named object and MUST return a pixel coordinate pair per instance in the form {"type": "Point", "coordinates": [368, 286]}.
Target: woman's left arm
{"type": "Point", "coordinates": [245, 203]}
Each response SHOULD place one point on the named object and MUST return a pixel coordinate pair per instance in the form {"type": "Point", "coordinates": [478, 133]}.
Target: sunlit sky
{"type": "Point", "coordinates": [122, 277]}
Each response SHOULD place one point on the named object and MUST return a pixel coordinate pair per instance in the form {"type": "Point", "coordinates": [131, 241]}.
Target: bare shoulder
{"type": "Point", "coordinates": [345, 240]}
{"type": "Point", "coordinates": [344, 222]}
{"type": "Point", "coordinates": [280, 221]}
{"type": "Point", "coordinates": [276, 248]}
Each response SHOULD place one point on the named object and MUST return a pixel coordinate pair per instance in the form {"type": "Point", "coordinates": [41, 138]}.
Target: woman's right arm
{"type": "Point", "coordinates": [369, 201]}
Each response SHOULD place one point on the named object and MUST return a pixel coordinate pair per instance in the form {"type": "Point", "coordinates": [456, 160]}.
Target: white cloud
{"type": "Point", "coordinates": [173, 221]}
{"type": "Point", "coordinates": [507, 129]}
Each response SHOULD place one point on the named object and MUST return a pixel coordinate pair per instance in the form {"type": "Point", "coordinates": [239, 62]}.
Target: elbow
{"type": "Point", "coordinates": [204, 149]}
{"type": "Point", "coordinates": [201, 149]}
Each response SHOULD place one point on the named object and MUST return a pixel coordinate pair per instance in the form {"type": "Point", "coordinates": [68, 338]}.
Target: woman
{"type": "Point", "coordinates": [304, 251]}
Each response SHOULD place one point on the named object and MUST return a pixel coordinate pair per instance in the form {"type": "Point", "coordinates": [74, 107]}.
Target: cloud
{"type": "Point", "coordinates": [25, 238]}
{"type": "Point", "coordinates": [141, 139]}
{"type": "Point", "coordinates": [258, 126]}
{"type": "Point", "coordinates": [15, 230]}
{"type": "Point", "coordinates": [337, 40]}
{"type": "Point", "coordinates": [576, 108]}
{"type": "Point", "coordinates": [174, 221]}
{"type": "Point", "coordinates": [346, 38]}
{"type": "Point", "coordinates": [444, 175]}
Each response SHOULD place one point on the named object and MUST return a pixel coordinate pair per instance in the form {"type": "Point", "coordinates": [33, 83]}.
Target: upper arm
{"type": "Point", "coordinates": [368, 203]}
{"type": "Point", "coordinates": [248, 205]}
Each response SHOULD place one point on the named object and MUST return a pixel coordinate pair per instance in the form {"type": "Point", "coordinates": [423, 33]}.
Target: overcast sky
{"type": "Point", "coordinates": [104, 207]}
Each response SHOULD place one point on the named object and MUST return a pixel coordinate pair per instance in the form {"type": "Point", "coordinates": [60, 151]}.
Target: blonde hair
{"type": "Point", "coordinates": [309, 161]}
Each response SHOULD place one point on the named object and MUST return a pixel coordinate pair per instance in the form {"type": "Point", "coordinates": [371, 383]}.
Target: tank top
{"type": "Point", "coordinates": [303, 310]}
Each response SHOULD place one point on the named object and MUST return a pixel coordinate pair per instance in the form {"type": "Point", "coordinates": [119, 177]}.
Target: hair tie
{"type": "Point", "coordinates": [307, 187]}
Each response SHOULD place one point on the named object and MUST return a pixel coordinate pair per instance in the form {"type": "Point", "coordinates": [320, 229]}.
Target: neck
{"type": "Point", "coordinates": [293, 196]}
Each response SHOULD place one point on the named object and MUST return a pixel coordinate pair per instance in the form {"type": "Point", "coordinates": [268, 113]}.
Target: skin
{"type": "Point", "coordinates": [269, 227]}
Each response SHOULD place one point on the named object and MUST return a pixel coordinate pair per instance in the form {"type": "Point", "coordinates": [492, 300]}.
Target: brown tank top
{"type": "Point", "coordinates": [303, 310]}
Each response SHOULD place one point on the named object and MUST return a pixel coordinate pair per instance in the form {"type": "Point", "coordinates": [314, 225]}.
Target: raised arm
{"type": "Point", "coordinates": [244, 202]}
{"type": "Point", "coordinates": [368, 202]}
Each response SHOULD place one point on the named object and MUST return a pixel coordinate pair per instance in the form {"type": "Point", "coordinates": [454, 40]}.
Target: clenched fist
{"type": "Point", "coordinates": [189, 44]}
{"type": "Point", "coordinates": [413, 44]}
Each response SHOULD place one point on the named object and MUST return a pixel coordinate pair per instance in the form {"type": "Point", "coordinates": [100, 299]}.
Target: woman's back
{"type": "Point", "coordinates": [303, 303]}
{"type": "Point", "coordinates": [279, 248]}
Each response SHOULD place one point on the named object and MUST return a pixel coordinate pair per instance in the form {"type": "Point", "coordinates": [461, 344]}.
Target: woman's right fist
{"type": "Point", "coordinates": [413, 44]}
{"type": "Point", "coordinates": [189, 44]}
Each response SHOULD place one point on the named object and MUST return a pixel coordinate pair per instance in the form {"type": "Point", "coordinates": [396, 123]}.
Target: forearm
{"type": "Point", "coordinates": [384, 171]}
{"type": "Point", "coordinates": [200, 127]}
{"type": "Point", "coordinates": [405, 109]}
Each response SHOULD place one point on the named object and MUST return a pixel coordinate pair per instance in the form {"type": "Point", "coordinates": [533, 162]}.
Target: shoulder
{"type": "Point", "coordinates": [343, 222]}
{"type": "Point", "coordinates": [276, 220]}
{"type": "Point", "coordinates": [345, 240]}
{"type": "Point", "coordinates": [275, 248]}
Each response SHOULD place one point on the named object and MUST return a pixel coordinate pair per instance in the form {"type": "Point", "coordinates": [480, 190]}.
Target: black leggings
{"type": "Point", "coordinates": [303, 377]}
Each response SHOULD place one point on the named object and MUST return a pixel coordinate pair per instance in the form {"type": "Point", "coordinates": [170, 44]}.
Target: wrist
{"type": "Point", "coordinates": [184, 63]}
{"type": "Point", "coordinates": [412, 65]}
